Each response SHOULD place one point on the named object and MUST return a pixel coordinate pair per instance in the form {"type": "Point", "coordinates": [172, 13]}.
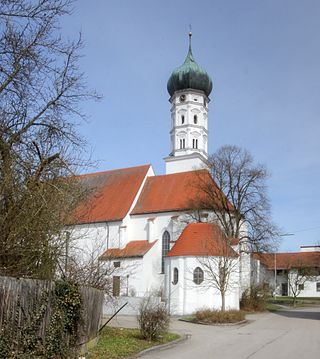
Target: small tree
{"type": "Point", "coordinates": [220, 264]}
{"type": "Point", "coordinates": [297, 277]}
{"type": "Point", "coordinates": [153, 319]}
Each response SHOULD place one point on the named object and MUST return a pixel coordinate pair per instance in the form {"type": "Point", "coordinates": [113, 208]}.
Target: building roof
{"type": "Point", "coordinates": [189, 76]}
{"type": "Point", "coordinates": [132, 249]}
{"type": "Point", "coordinates": [202, 239]}
{"type": "Point", "coordinates": [111, 194]}
{"type": "Point", "coordinates": [289, 260]}
{"type": "Point", "coordinates": [174, 192]}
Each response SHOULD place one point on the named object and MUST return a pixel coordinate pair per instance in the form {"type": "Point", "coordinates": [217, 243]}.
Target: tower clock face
{"type": "Point", "coordinates": [182, 98]}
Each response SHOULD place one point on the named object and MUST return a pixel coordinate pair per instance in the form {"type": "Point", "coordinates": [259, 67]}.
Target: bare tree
{"type": "Point", "coordinates": [297, 277]}
{"type": "Point", "coordinates": [41, 89]}
{"type": "Point", "coordinates": [220, 264]}
{"type": "Point", "coordinates": [238, 197]}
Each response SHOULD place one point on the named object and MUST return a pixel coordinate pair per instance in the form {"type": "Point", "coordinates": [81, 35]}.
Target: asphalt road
{"type": "Point", "coordinates": [292, 334]}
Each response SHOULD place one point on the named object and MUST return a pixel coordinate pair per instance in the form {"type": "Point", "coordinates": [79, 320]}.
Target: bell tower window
{"type": "Point", "coordinates": [195, 143]}
{"type": "Point", "coordinates": [182, 143]}
{"type": "Point", "coordinates": [195, 119]}
{"type": "Point", "coordinates": [182, 119]}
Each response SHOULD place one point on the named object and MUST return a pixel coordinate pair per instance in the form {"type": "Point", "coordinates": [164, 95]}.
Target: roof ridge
{"type": "Point", "coordinates": [180, 173]}
{"type": "Point", "coordinates": [113, 170]}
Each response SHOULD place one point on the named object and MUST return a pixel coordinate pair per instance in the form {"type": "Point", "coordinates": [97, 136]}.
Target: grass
{"type": "Point", "coordinates": [209, 316]}
{"type": "Point", "coordinates": [300, 301]}
{"type": "Point", "coordinates": [272, 307]}
{"type": "Point", "coordinates": [116, 343]}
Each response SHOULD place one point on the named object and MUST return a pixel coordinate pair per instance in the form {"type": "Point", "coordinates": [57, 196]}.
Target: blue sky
{"type": "Point", "coordinates": [264, 58]}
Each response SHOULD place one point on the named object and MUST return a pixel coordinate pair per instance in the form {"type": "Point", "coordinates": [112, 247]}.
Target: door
{"type": "Point", "coordinates": [284, 289]}
{"type": "Point", "coordinates": [116, 286]}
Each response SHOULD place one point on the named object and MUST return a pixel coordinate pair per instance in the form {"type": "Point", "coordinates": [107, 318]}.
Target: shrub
{"type": "Point", "coordinates": [254, 299]}
{"type": "Point", "coordinates": [153, 319]}
{"type": "Point", "coordinates": [209, 316]}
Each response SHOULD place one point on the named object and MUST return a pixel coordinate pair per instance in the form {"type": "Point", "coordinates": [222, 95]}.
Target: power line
{"type": "Point", "coordinates": [307, 229]}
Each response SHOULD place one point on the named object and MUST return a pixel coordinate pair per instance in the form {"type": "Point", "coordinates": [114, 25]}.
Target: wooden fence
{"type": "Point", "coordinates": [23, 299]}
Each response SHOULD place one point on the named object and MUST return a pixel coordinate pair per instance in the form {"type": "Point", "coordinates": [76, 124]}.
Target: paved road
{"type": "Point", "coordinates": [292, 334]}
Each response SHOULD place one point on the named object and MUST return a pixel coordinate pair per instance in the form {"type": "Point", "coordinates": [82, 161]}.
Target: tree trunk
{"type": "Point", "coordinates": [294, 301]}
{"type": "Point", "coordinates": [223, 302]}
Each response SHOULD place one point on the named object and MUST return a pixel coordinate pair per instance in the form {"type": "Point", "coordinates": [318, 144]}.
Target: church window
{"type": "Point", "coordinates": [195, 119]}
{"type": "Point", "coordinates": [165, 247]}
{"type": "Point", "coordinates": [195, 143]}
{"type": "Point", "coordinates": [182, 143]}
{"type": "Point", "coordinates": [198, 275]}
{"type": "Point", "coordinates": [182, 119]}
{"type": "Point", "coordinates": [175, 276]}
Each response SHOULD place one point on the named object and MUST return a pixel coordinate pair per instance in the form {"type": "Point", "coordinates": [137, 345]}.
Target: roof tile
{"type": "Point", "coordinates": [132, 249]}
{"type": "Point", "coordinates": [174, 192]}
{"type": "Point", "coordinates": [202, 239]}
{"type": "Point", "coordinates": [112, 194]}
{"type": "Point", "coordinates": [289, 260]}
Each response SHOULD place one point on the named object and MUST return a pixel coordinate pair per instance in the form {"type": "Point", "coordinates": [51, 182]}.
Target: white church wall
{"type": "Point", "coordinates": [186, 297]}
{"type": "Point", "coordinates": [86, 239]}
{"type": "Point", "coordinates": [131, 277]}
{"type": "Point", "coordinates": [178, 164]}
{"type": "Point", "coordinates": [152, 277]}
{"type": "Point", "coordinates": [141, 276]}
{"type": "Point", "coordinates": [173, 222]}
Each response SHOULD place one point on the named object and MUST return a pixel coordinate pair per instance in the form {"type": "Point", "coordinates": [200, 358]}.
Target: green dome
{"type": "Point", "coordinates": [189, 76]}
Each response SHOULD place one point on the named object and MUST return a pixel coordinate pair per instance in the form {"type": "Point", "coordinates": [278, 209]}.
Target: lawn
{"type": "Point", "coordinates": [116, 343]}
{"type": "Point", "coordinates": [300, 301]}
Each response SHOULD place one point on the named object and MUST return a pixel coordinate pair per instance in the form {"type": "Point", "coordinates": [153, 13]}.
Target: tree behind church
{"type": "Point", "coordinates": [41, 89]}
{"type": "Point", "coordinates": [241, 207]}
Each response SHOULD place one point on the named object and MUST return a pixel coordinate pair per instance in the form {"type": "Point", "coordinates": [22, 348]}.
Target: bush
{"type": "Point", "coordinates": [153, 319]}
{"type": "Point", "coordinates": [209, 316]}
{"type": "Point", "coordinates": [254, 299]}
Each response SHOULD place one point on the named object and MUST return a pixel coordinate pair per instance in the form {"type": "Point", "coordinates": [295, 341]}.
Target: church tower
{"type": "Point", "coordinates": [189, 87]}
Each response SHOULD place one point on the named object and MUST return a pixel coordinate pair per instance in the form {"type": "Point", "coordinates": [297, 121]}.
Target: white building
{"type": "Point", "coordinates": [291, 273]}
{"type": "Point", "coordinates": [145, 223]}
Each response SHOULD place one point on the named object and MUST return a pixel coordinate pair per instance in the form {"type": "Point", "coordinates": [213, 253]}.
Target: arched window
{"type": "Point", "coordinates": [198, 275]}
{"type": "Point", "coordinates": [195, 119]}
{"type": "Point", "coordinates": [182, 119]}
{"type": "Point", "coordinates": [165, 247]}
{"type": "Point", "coordinates": [175, 276]}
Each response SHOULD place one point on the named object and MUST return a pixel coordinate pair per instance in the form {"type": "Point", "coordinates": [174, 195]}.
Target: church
{"type": "Point", "coordinates": [145, 223]}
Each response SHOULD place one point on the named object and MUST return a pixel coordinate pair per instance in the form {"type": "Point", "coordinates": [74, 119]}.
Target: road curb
{"type": "Point", "coordinates": [160, 347]}
{"type": "Point", "coordinates": [215, 324]}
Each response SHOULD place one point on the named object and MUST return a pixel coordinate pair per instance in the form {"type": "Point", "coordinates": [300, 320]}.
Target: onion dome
{"type": "Point", "coordinates": [189, 76]}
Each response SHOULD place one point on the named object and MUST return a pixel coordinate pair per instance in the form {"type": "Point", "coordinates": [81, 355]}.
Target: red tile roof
{"type": "Point", "coordinates": [202, 239]}
{"type": "Point", "coordinates": [132, 249]}
{"type": "Point", "coordinates": [289, 260]}
{"type": "Point", "coordinates": [174, 192]}
{"type": "Point", "coordinates": [111, 194]}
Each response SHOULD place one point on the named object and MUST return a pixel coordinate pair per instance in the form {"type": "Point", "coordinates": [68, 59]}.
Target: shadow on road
{"type": "Point", "coordinates": [300, 314]}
